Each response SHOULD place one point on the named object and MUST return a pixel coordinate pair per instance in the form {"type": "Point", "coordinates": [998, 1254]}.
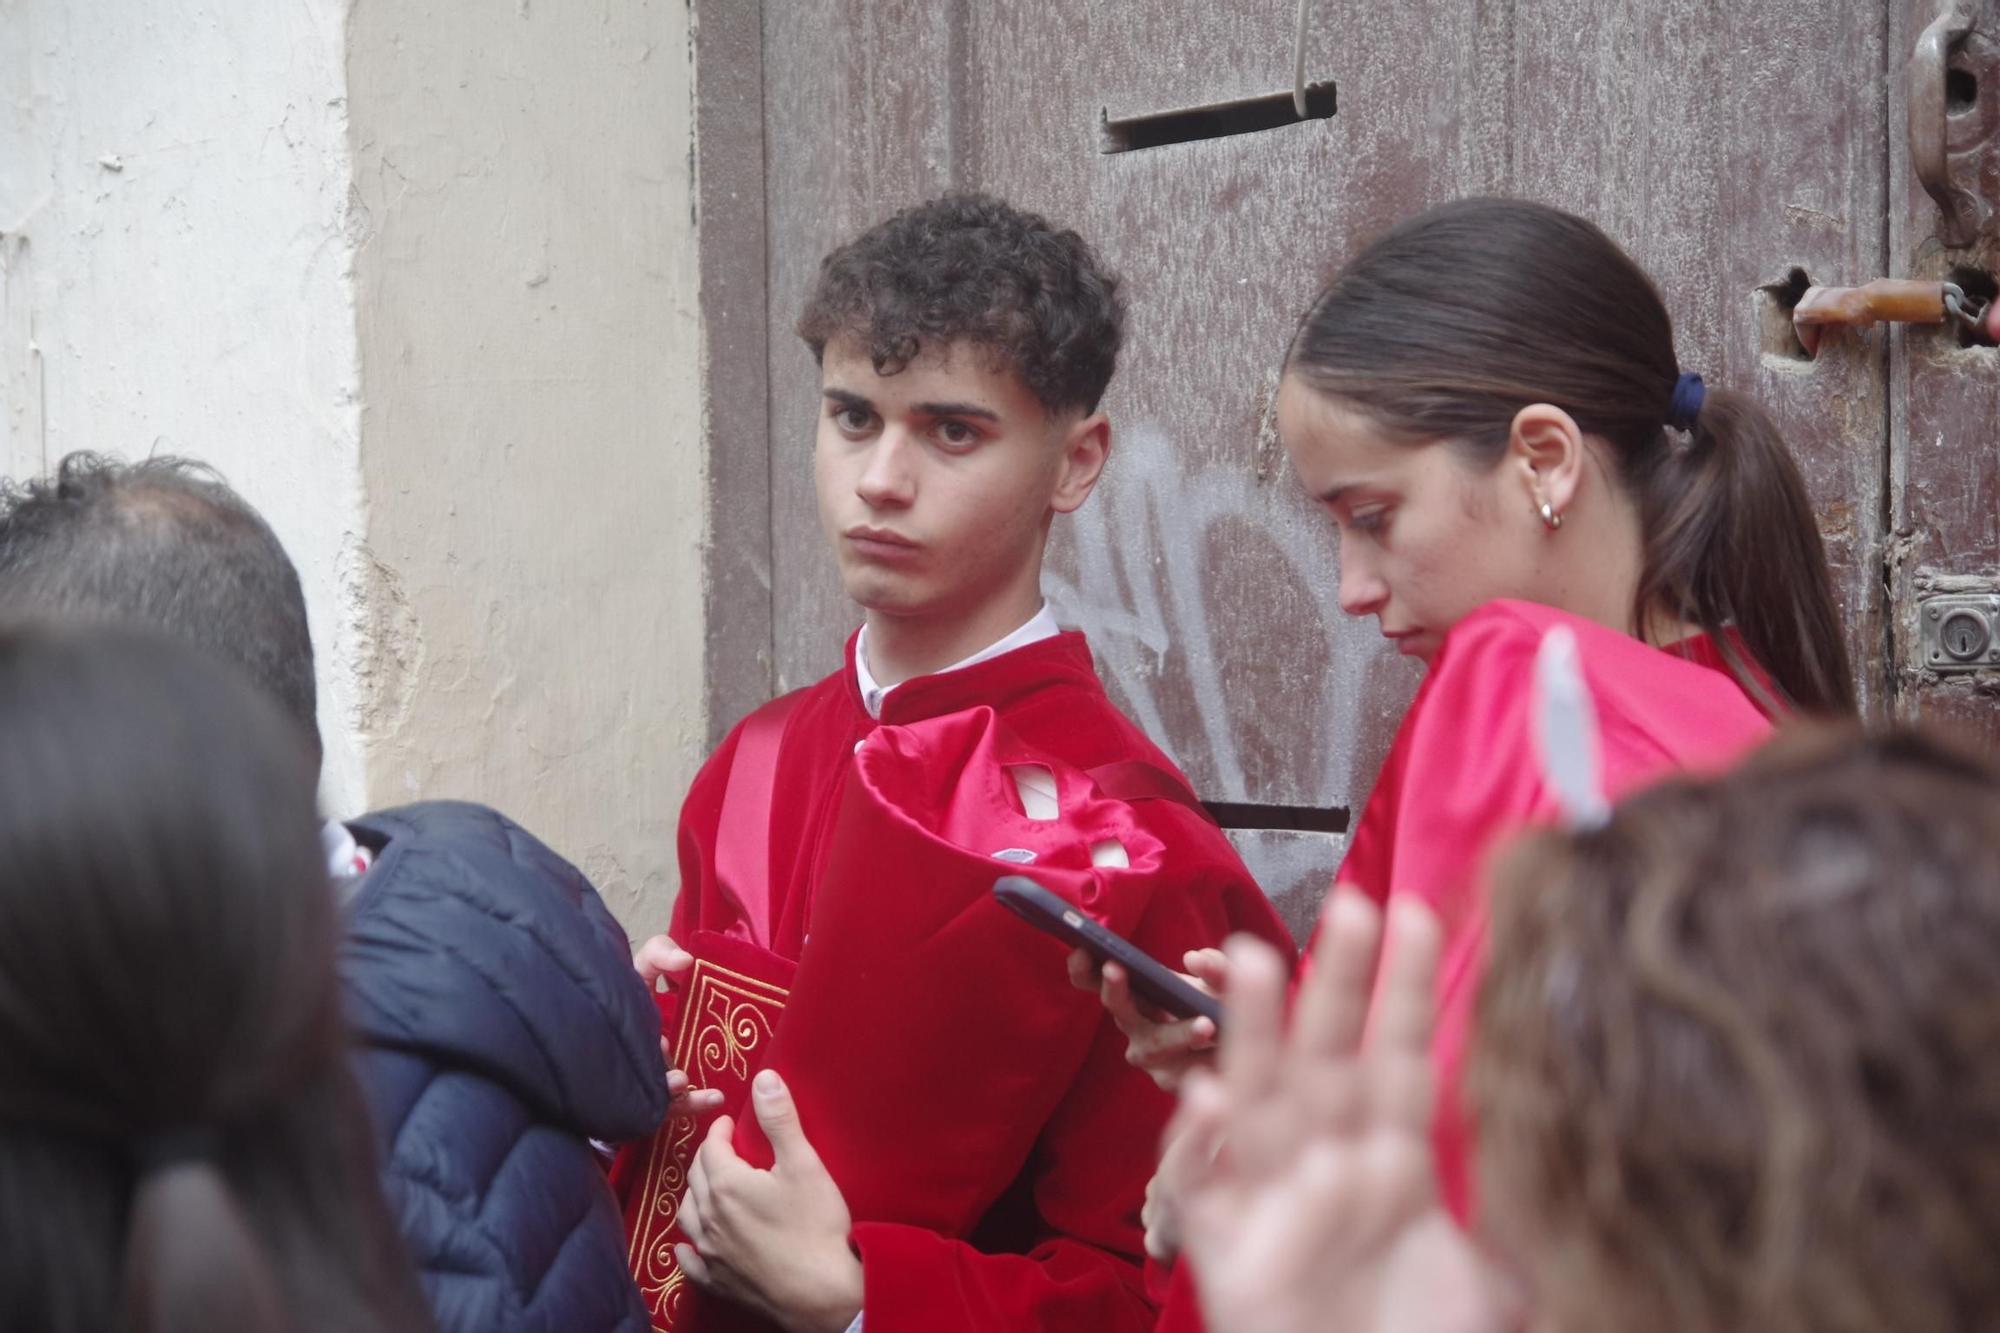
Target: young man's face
{"type": "Point", "coordinates": [937, 483]}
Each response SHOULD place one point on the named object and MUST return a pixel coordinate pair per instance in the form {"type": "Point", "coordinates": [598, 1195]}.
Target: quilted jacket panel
{"type": "Point", "coordinates": [501, 1027]}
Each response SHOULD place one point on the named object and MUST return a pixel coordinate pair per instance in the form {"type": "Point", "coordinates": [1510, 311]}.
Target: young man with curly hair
{"type": "Point", "coordinates": [943, 1132]}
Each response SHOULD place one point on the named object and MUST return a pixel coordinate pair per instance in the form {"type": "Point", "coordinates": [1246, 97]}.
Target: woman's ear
{"type": "Point", "coordinates": [1546, 450]}
{"type": "Point", "coordinates": [1085, 448]}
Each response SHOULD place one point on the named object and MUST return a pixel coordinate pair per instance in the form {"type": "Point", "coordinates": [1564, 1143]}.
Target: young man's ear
{"type": "Point", "coordinates": [1546, 448]}
{"type": "Point", "coordinates": [1086, 447]}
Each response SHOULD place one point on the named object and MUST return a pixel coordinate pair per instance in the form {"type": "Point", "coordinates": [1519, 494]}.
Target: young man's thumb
{"type": "Point", "coordinates": [778, 1114]}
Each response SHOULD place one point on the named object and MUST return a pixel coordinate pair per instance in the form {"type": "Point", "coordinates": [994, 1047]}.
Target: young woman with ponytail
{"type": "Point", "coordinates": [1488, 404]}
{"type": "Point", "coordinates": [182, 1147]}
{"type": "Point", "coordinates": [1592, 474]}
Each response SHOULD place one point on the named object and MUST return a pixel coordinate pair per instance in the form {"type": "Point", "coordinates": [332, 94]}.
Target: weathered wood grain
{"type": "Point", "coordinates": [859, 103]}
{"type": "Point", "coordinates": [729, 214]}
{"type": "Point", "coordinates": [1724, 145]}
{"type": "Point", "coordinates": [1945, 439]}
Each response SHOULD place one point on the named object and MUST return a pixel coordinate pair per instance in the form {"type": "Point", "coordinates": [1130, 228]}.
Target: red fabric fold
{"type": "Point", "coordinates": [1016, 1208]}
{"type": "Point", "coordinates": [1463, 777]}
{"type": "Point", "coordinates": [743, 841]}
{"type": "Point", "coordinates": [909, 951]}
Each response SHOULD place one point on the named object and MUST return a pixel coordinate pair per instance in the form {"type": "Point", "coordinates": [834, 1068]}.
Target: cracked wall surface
{"type": "Point", "coordinates": [527, 600]}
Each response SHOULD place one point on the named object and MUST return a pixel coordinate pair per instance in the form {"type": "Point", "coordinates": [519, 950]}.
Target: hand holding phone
{"type": "Point", "coordinates": [1151, 980]}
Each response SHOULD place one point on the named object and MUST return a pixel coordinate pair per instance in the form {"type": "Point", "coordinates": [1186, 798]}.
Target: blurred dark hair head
{"type": "Point", "coordinates": [166, 544]}
{"type": "Point", "coordinates": [182, 1145]}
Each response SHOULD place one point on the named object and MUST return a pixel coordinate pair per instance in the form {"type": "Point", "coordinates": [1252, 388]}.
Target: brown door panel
{"type": "Point", "coordinates": [1726, 146]}
{"type": "Point", "coordinates": [1945, 432]}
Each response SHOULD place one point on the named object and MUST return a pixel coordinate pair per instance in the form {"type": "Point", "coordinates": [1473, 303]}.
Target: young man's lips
{"type": "Point", "coordinates": [881, 544]}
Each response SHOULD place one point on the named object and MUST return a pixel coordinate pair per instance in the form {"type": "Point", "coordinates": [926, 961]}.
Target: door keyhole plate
{"type": "Point", "coordinates": [1960, 632]}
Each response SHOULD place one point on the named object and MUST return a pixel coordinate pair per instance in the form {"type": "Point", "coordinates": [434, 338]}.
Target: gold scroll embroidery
{"type": "Point", "coordinates": [727, 1016]}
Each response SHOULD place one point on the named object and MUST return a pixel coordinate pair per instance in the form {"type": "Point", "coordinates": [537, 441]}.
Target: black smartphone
{"type": "Point", "coordinates": [1152, 980]}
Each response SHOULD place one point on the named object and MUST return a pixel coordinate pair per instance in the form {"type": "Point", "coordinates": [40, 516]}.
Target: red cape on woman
{"type": "Point", "coordinates": [1463, 776]}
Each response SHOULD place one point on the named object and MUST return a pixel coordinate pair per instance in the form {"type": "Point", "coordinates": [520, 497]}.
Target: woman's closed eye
{"type": "Point", "coordinates": [1369, 520]}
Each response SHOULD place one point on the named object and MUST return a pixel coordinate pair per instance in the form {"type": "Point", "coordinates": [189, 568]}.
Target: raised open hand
{"type": "Point", "coordinates": [1312, 1203]}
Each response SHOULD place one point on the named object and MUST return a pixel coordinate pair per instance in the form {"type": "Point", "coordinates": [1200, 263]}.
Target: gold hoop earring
{"type": "Point", "coordinates": [1550, 518]}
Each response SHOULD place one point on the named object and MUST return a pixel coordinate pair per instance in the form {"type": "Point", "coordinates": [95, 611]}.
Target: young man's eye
{"type": "Point", "coordinates": [956, 434]}
{"type": "Point", "coordinates": [853, 420]}
{"type": "Point", "coordinates": [1369, 521]}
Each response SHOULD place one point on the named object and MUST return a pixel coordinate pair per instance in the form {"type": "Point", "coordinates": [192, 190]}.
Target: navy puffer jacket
{"type": "Point", "coordinates": [501, 1026]}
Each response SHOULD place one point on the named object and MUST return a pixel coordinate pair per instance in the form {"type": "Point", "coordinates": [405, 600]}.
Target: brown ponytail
{"type": "Point", "coordinates": [1731, 540]}
{"type": "Point", "coordinates": [1444, 329]}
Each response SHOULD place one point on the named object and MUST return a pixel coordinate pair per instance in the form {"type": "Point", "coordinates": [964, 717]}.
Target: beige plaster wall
{"type": "Point", "coordinates": [531, 445]}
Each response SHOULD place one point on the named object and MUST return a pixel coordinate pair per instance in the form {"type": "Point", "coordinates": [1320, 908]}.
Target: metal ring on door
{"type": "Point", "coordinates": [1963, 308]}
{"type": "Point", "coordinates": [1929, 64]}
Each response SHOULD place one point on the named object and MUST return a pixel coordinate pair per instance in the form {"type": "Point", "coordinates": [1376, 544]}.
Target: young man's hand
{"type": "Point", "coordinates": [1307, 1197]}
{"type": "Point", "coordinates": [1165, 1047]}
{"type": "Point", "coordinates": [656, 961]}
{"type": "Point", "coordinates": [775, 1241]}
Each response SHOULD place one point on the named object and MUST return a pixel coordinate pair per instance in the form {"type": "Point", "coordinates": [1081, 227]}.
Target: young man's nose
{"type": "Point", "coordinates": [887, 480]}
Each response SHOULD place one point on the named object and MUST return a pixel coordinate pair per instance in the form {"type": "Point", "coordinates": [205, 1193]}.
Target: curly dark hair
{"type": "Point", "coordinates": [1733, 1067]}
{"type": "Point", "coordinates": [975, 268]}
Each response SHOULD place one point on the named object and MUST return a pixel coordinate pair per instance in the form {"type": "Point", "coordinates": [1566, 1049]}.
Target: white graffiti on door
{"type": "Point", "coordinates": [1190, 581]}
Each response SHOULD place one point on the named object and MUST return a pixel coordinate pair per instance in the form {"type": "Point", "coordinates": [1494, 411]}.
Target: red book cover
{"type": "Point", "coordinates": [722, 1014]}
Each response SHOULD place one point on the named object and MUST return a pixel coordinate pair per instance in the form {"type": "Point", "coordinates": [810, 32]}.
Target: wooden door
{"type": "Point", "coordinates": [1944, 442]}
{"type": "Point", "coordinates": [1726, 150]}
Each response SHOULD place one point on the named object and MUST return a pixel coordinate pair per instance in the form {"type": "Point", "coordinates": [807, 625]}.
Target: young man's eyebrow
{"type": "Point", "coordinates": [1331, 496]}
{"type": "Point", "coordinates": [958, 410]}
{"type": "Point", "coordinates": [847, 399]}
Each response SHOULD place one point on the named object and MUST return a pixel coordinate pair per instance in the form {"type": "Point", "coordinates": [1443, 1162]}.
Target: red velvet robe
{"type": "Point", "coordinates": [1463, 775]}
{"type": "Point", "coordinates": [1018, 1223]}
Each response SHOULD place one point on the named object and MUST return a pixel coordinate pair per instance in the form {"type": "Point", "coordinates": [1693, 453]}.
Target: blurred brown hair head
{"type": "Point", "coordinates": [1734, 1060]}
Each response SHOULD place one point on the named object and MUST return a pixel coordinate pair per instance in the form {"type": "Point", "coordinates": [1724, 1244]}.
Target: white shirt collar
{"type": "Point", "coordinates": [344, 856]}
{"type": "Point", "coordinates": [1042, 625]}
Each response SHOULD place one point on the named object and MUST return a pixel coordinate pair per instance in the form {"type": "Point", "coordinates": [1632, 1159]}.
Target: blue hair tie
{"type": "Point", "coordinates": [1684, 408]}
